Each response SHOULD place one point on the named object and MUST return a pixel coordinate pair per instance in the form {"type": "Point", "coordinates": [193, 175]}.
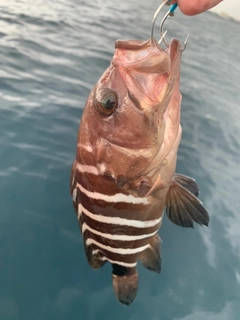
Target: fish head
{"type": "Point", "coordinates": [132, 114]}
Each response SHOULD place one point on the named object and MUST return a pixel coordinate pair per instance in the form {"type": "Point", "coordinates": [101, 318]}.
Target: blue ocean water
{"type": "Point", "coordinates": [51, 54]}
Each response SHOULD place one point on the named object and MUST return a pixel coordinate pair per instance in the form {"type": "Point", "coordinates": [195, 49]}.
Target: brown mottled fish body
{"type": "Point", "coordinates": [124, 173]}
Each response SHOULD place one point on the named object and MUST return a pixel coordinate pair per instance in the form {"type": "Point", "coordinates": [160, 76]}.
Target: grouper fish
{"type": "Point", "coordinates": [124, 176]}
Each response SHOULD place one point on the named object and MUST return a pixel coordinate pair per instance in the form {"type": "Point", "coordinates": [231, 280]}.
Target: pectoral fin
{"type": "Point", "coordinates": [187, 182]}
{"type": "Point", "coordinates": [182, 207]}
{"type": "Point", "coordinates": [151, 257]}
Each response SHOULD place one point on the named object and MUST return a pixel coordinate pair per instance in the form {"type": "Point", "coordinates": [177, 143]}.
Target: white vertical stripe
{"type": "Point", "coordinates": [102, 167]}
{"type": "Point", "coordinates": [117, 250]}
{"type": "Point", "coordinates": [116, 198]}
{"type": "Point", "coordinates": [86, 147]}
{"type": "Point", "coordinates": [117, 237]}
{"type": "Point", "coordinates": [118, 221]}
{"type": "Point", "coordinates": [74, 194]}
{"type": "Point", "coordinates": [120, 263]}
{"type": "Point", "coordinates": [73, 178]}
{"type": "Point", "coordinates": [85, 168]}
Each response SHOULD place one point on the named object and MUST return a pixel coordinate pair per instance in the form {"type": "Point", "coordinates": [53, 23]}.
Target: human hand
{"type": "Point", "coordinates": [192, 7]}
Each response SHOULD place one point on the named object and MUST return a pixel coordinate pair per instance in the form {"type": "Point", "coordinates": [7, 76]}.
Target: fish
{"type": "Point", "coordinates": [123, 177]}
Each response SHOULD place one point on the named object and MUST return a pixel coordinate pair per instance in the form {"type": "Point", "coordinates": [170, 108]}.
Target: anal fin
{"type": "Point", "coordinates": [151, 257]}
{"type": "Point", "coordinates": [182, 207]}
{"type": "Point", "coordinates": [187, 182]}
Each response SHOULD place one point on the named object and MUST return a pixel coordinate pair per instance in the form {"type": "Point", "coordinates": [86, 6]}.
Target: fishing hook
{"type": "Point", "coordinates": [170, 13]}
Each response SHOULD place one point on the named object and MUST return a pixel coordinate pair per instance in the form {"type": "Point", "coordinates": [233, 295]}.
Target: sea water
{"type": "Point", "coordinates": [51, 55]}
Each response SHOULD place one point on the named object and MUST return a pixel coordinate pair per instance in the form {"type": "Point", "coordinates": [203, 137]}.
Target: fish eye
{"type": "Point", "coordinates": [107, 102]}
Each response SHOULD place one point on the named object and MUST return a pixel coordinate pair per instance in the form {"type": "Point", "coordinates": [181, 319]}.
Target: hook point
{"type": "Point", "coordinates": [162, 37]}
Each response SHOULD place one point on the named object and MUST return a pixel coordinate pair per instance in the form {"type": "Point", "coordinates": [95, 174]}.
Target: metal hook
{"type": "Point", "coordinates": [162, 37]}
{"type": "Point", "coordinates": [154, 19]}
{"type": "Point", "coordinates": [170, 13]}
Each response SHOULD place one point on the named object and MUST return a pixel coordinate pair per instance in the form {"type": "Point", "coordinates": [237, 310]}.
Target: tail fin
{"type": "Point", "coordinates": [125, 283]}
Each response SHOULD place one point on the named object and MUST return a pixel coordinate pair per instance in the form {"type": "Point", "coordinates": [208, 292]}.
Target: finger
{"type": "Point", "coordinates": [194, 7]}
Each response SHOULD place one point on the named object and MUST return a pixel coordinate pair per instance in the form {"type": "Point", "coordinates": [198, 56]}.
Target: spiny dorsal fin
{"type": "Point", "coordinates": [125, 283]}
{"type": "Point", "coordinates": [151, 257]}
{"type": "Point", "coordinates": [187, 182]}
{"type": "Point", "coordinates": [182, 207]}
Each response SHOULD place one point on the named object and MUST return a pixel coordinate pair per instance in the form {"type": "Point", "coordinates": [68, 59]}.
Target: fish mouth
{"type": "Point", "coordinates": [148, 71]}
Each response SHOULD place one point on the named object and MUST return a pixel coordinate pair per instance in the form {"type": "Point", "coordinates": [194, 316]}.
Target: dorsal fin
{"type": "Point", "coordinates": [151, 257]}
{"type": "Point", "coordinates": [182, 207]}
